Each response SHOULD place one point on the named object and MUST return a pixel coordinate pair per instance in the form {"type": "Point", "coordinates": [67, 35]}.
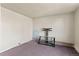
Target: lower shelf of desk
{"type": "Point", "coordinates": [48, 43]}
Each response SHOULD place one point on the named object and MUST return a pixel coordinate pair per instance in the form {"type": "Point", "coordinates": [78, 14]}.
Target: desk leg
{"type": "Point", "coordinates": [54, 42]}
{"type": "Point", "coordinates": [39, 40]}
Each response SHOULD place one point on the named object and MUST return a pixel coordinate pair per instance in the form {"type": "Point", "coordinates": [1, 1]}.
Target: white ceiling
{"type": "Point", "coordinates": [41, 9]}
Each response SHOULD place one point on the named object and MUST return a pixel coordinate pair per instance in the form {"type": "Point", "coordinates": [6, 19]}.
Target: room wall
{"type": "Point", "coordinates": [62, 27]}
{"type": "Point", "coordinates": [0, 25]}
{"type": "Point", "coordinates": [16, 29]}
{"type": "Point", "coordinates": [77, 30]}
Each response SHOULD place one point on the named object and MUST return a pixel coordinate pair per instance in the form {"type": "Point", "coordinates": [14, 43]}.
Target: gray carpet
{"type": "Point", "coordinates": [33, 49]}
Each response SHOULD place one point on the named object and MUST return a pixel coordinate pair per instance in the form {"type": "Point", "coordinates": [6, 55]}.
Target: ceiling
{"type": "Point", "coordinates": [35, 10]}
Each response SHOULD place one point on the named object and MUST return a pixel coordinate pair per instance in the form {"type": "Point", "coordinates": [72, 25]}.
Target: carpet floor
{"type": "Point", "coordinates": [33, 49]}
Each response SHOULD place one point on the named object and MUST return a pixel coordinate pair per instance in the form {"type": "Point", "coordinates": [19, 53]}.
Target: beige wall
{"type": "Point", "coordinates": [0, 25]}
{"type": "Point", "coordinates": [62, 25]}
{"type": "Point", "coordinates": [16, 29]}
{"type": "Point", "coordinates": [77, 30]}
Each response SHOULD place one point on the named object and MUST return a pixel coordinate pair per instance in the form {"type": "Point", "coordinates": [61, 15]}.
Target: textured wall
{"type": "Point", "coordinates": [16, 29]}
{"type": "Point", "coordinates": [63, 27]}
{"type": "Point", "coordinates": [77, 30]}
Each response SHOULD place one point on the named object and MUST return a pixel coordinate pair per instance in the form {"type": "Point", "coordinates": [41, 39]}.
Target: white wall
{"type": "Point", "coordinates": [0, 25]}
{"type": "Point", "coordinates": [16, 29]}
{"type": "Point", "coordinates": [77, 30]}
{"type": "Point", "coordinates": [63, 27]}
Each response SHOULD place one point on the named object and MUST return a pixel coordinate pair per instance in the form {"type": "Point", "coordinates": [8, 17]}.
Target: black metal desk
{"type": "Point", "coordinates": [50, 42]}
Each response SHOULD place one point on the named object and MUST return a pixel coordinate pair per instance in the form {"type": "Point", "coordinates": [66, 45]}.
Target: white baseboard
{"type": "Point", "coordinates": [64, 44]}
{"type": "Point", "coordinates": [76, 48]}
{"type": "Point", "coordinates": [16, 45]}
